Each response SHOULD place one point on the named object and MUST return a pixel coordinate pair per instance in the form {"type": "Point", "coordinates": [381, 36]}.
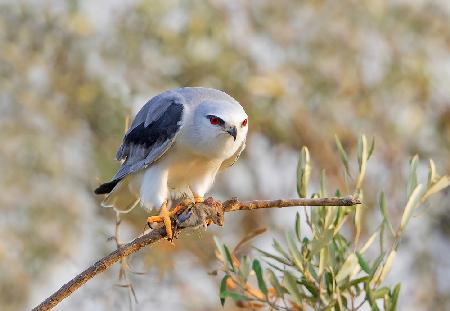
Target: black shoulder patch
{"type": "Point", "coordinates": [158, 131]}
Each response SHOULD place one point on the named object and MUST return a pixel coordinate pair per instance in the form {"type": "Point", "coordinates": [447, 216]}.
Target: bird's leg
{"type": "Point", "coordinates": [164, 216]}
{"type": "Point", "coordinates": [181, 206]}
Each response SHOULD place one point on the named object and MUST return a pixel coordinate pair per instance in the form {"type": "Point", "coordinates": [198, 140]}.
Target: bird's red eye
{"type": "Point", "coordinates": [214, 120]}
{"type": "Point", "coordinates": [244, 123]}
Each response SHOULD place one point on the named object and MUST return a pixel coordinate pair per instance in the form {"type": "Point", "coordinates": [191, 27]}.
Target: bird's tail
{"type": "Point", "coordinates": [122, 198]}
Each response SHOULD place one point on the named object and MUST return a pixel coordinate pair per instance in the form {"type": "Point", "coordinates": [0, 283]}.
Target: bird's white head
{"type": "Point", "coordinates": [221, 127]}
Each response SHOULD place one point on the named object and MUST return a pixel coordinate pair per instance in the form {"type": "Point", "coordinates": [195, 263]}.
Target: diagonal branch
{"type": "Point", "coordinates": [199, 214]}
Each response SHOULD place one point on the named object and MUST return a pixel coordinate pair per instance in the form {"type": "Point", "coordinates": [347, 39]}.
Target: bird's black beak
{"type": "Point", "coordinates": [233, 132]}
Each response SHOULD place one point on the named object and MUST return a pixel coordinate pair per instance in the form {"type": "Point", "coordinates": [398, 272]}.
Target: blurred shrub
{"type": "Point", "coordinates": [321, 268]}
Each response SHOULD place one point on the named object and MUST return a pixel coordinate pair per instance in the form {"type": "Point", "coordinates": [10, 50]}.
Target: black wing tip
{"type": "Point", "coordinates": [106, 187]}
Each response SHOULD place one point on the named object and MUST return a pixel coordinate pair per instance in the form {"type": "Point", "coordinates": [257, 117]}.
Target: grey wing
{"type": "Point", "coordinates": [151, 134]}
{"type": "Point", "coordinates": [231, 160]}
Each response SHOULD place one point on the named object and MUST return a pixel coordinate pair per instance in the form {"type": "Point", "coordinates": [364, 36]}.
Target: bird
{"type": "Point", "coordinates": [177, 143]}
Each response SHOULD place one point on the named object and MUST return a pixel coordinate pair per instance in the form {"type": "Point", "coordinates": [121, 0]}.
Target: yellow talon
{"type": "Point", "coordinates": [163, 217]}
{"type": "Point", "coordinates": [166, 216]}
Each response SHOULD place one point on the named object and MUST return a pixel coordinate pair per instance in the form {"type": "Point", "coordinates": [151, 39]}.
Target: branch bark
{"type": "Point", "coordinates": [199, 214]}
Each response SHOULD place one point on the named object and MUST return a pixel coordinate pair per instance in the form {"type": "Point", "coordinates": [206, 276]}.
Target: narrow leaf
{"type": "Point", "coordinates": [259, 277]}
{"type": "Point", "coordinates": [380, 293]}
{"type": "Point", "coordinates": [235, 296]}
{"type": "Point", "coordinates": [362, 160]}
{"type": "Point", "coordinates": [303, 172]}
{"type": "Point", "coordinates": [410, 206]}
{"type": "Point", "coordinates": [220, 249]}
{"type": "Point", "coordinates": [322, 183]}
{"type": "Point", "coordinates": [321, 242]}
{"type": "Point", "coordinates": [275, 283]}
{"type": "Point", "coordinates": [368, 243]}
{"type": "Point", "coordinates": [371, 148]}
{"type": "Point", "coordinates": [412, 179]}
{"type": "Point", "coordinates": [369, 296]}
{"type": "Point", "coordinates": [362, 263]}
{"type": "Point", "coordinates": [358, 221]}
{"type": "Point", "coordinates": [342, 154]}
{"type": "Point", "coordinates": [228, 257]}
{"type": "Point", "coordinates": [431, 173]}
{"type": "Point", "coordinates": [385, 214]}
{"type": "Point", "coordinates": [292, 288]}
{"type": "Point", "coordinates": [244, 269]}
{"type": "Point", "coordinates": [440, 184]}
{"type": "Point", "coordinates": [376, 264]}
{"type": "Point", "coordinates": [347, 268]}
{"type": "Point", "coordinates": [294, 252]}
{"type": "Point", "coordinates": [275, 257]}
{"type": "Point", "coordinates": [277, 246]}
{"type": "Point", "coordinates": [297, 227]}
{"type": "Point", "coordinates": [223, 288]}
{"type": "Point", "coordinates": [394, 296]}
{"type": "Point", "coordinates": [387, 266]}
{"type": "Point", "coordinates": [310, 287]}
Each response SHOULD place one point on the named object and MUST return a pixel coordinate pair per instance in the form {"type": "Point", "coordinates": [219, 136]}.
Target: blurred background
{"type": "Point", "coordinates": [72, 71]}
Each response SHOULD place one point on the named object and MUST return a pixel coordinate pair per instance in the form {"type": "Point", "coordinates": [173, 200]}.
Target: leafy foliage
{"type": "Point", "coordinates": [326, 270]}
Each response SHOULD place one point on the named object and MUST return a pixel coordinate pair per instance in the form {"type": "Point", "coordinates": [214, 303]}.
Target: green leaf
{"type": "Point", "coordinates": [228, 257]}
{"type": "Point", "coordinates": [292, 288]}
{"type": "Point", "coordinates": [362, 160]}
{"type": "Point", "coordinates": [369, 297]}
{"type": "Point", "coordinates": [329, 282]}
{"type": "Point", "coordinates": [277, 246]}
{"type": "Point", "coordinates": [368, 243]}
{"type": "Point", "coordinates": [342, 154]}
{"type": "Point", "coordinates": [371, 148]}
{"type": "Point", "coordinates": [362, 263]}
{"type": "Point", "coordinates": [244, 269]}
{"type": "Point", "coordinates": [387, 265]}
{"type": "Point", "coordinates": [321, 242]}
{"type": "Point", "coordinates": [358, 221]}
{"type": "Point", "coordinates": [310, 287]}
{"type": "Point", "coordinates": [383, 225]}
{"type": "Point", "coordinates": [279, 290]}
{"type": "Point", "coordinates": [394, 296]}
{"type": "Point", "coordinates": [412, 179]}
{"type": "Point", "coordinates": [355, 282]}
{"type": "Point", "coordinates": [297, 226]}
{"type": "Point", "coordinates": [347, 268]}
{"type": "Point", "coordinates": [441, 183]}
{"type": "Point", "coordinates": [385, 214]}
{"type": "Point", "coordinates": [376, 264]}
{"type": "Point", "coordinates": [431, 173]}
{"type": "Point", "coordinates": [323, 260]}
{"type": "Point", "coordinates": [380, 293]}
{"type": "Point", "coordinates": [219, 247]}
{"type": "Point", "coordinates": [322, 183]}
{"type": "Point", "coordinates": [413, 201]}
{"type": "Point", "coordinates": [294, 252]}
{"type": "Point", "coordinates": [223, 289]}
{"type": "Point", "coordinates": [259, 277]}
{"type": "Point", "coordinates": [275, 267]}
{"type": "Point", "coordinates": [234, 296]}
{"type": "Point", "coordinates": [303, 172]}
{"type": "Point", "coordinates": [387, 303]}
{"type": "Point", "coordinates": [275, 257]}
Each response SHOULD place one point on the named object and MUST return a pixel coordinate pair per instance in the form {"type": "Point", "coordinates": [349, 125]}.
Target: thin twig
{"type": "Point", "coordinates": [199, 214]}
